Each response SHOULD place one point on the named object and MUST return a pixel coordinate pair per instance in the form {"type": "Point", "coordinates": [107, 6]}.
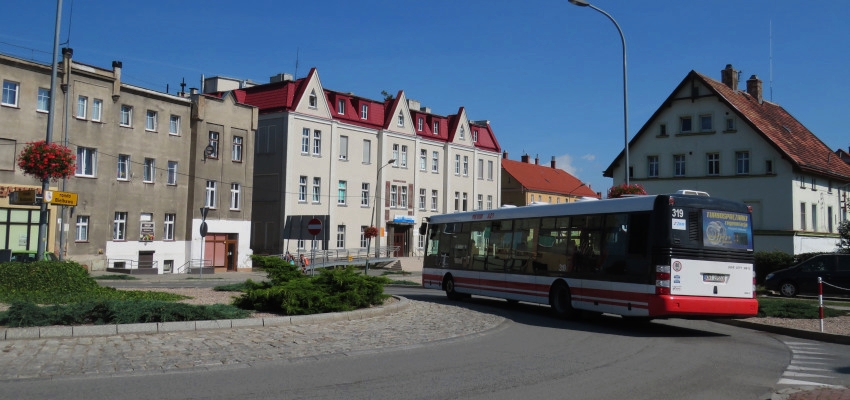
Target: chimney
{"type": "Point", "coordinates": [116, 84]}
{"type": "Point", "coordinates": [754, 88]}
{"type": "Point", "coordinates": [729, 77]}
{"type": "Point", "coordinates": [552, 163]}
{"type": "Point", "coordinates": [193, 91]}
{"type": "Point", "coordinates": [536, 160]}
{"type": "Point", "coordinates": [524, 158]}
{"type": "Point", "coordinates": [505, 155]}
{"type": "Point", "coordinates": [281, 77]}
{"type": "Point", "coordinates": [67, 53]}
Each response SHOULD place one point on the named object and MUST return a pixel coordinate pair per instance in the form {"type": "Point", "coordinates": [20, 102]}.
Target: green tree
{"type": "Point", "coordinates": [844, 241]}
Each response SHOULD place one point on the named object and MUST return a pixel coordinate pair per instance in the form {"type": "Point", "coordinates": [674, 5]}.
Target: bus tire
{"type": "Point", "coordinates": [560, 300]}
{"type": "Point", "coordinates": [449, 286]}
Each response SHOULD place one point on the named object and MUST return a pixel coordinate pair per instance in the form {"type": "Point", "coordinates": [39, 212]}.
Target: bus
{"type": "Point", "coordinates": [681, 255]}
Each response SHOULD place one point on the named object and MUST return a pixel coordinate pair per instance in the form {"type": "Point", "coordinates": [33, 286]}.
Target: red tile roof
{"type": "Point", "coordinates": [777, 126]}
{"type": "Point", "coordinates": [540, 178]}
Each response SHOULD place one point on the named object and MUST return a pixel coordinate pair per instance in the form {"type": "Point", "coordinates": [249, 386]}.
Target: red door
{"type": "Point", "coordinates": [400, 243]}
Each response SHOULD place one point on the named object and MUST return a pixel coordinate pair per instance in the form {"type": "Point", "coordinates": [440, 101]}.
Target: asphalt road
{"type": "Point", "coordinates": [525, 354]}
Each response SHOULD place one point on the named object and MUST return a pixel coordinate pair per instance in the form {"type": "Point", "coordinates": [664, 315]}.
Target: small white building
{"type": "Point", "coordinates": [710, 136]}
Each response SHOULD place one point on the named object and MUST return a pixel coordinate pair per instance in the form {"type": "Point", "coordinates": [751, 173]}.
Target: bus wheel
{"type": "Point", "coordinates": [449, 285]}
{"type": "Point", "coordinates": [561, 301]}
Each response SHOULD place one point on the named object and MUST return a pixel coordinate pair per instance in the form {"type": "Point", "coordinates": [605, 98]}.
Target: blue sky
{"type": "Point", "coordinates": [547, 74]}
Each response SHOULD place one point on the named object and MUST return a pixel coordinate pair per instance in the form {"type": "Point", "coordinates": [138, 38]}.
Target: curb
{"type": "Point", "coordinates": [797, 333]}
{"type": "Point", "coordinates": [59, 331]}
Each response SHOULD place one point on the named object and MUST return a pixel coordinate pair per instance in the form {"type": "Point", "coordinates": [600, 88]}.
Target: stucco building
{"type": "Point", "coordinates": [525, 182]}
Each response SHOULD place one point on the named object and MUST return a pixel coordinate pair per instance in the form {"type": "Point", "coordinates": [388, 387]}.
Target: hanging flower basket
{"type": "Point", "coordinates": [370, 232]}
{"type": "Point", "coordinates": [44, 160]}
{"type": "Point", "coordinates": [623, 189]}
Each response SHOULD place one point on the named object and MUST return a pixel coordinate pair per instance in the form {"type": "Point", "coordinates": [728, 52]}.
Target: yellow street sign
{"type": "Point", "coordinates": [22, 197]}
{"type": "Point", "coordinates": [58, 198]}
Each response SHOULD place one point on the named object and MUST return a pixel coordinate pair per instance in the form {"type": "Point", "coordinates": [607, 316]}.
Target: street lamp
{"type": "Point", "coordinates": [576, 188]}
{"type": "Point", "coordinates": [583, 3]}
{"type": "Point", "coordinates": [374, 216]}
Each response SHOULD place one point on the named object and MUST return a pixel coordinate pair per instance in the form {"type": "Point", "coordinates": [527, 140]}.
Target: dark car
{"type": "Point", "coordinates": [30, 256]}
{"type": "Point", "coordinates": [834, 269]}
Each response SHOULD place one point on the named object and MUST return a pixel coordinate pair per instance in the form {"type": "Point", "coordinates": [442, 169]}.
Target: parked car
{"type": "Point", "coordinates": [30, 256]}
{"type": "Point", "coordinates": [834, 269]}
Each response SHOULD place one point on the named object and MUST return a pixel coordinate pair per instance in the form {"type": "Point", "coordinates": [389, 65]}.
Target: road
{"type": "Point", "coordinates": [507, 352]}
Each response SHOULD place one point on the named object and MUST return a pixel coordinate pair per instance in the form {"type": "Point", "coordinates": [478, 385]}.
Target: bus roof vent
{"type": "Point", "coordinates": [692, 192]}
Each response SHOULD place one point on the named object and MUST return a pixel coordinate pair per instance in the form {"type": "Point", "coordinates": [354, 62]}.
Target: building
{"type": "Point", "coordinates": [708, 135]}
{"type": "Point", "coordinates": [141, 177]}
{"type": "Point", "coordinates": [525, 183]}
{"type": "Point", "coordinates": [353, 162]}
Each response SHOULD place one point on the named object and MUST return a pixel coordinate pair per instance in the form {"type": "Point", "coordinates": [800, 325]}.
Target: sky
{"type": "Point", "coordinates": [547, 74]}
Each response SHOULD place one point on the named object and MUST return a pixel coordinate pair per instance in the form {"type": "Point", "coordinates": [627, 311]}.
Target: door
{"type": "Point", "coordinates": [145, 259]}
{"type": "Point", "coordinates": [400, 242]}
{"type": "Point", "coordinates": [231, 255]}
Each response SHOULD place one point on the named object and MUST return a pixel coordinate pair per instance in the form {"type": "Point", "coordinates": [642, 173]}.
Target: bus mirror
{"type": "Point", "coordinates": [423, 228]}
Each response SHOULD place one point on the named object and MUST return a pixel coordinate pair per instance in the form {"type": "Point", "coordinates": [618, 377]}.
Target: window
{"type": "Point", "coordinates": [214, 144]}
{"type": "Point", "coordinates": [662, 130]}
{"type": "Point", "coordinates": [404, 156]}
{"type": "Point", "coordinates": [423, 160]}
{"type": "Point", "coordinates": [679, 164]}
{"type": "Point", "coordinates": [475, 136]}
{"type": "Point", "coordinates": [340, 236]}
{"type": "Point", "coordinates": [435, 161]}
{"type": "Point", "coordinates": [421, 199]}
{"type": "Point", "coordinates": [705, 123]}
{"type": "Point", "coordinates": [305, 141]}
{"type": "Point", "coordinates": [302, 189]}
{"type": "Point", "coordinates": [148, 172]}
{"type": "Point", "coordinates": [814, 217]}
{"type": "Point", "coordinates": [401, 118]}
{"type": "Point", "coordinates": [742, 162]}
{"type": "Point", "coordinates": [235, 196]}
{"type": "Point", "coordinates": [713, 163]}
{"type": "Point", "coordinates": [43, 104]}
{"type": "Point", "coordinates": [317, 143]}
{"type": "Point", "coordinates": [82, 106]}
{"type": "Point", "coordinates": [402, 201]}
{"type": "Point", "coordinates": [86, 161]}
{"type": "Point", "coordinates": [119, 226]}
{"type": "Point", "coordinates": [462, 133]}
{"type": "Point", "coordinates": [343, 147]}
{"type": "Point", "coordinates": [364, 194]}
{"type": "Point", "coordinates": [367, 151]}
{"type": "Point", "coordinates": [489, 170]}
{"type": "Point", "coordinates": [489, 201]}
{"type": "Point", "coordinates": [434, 199]}
{"type": "Point", "coordinates": [172, 172]}
{"type": "Point", "coordinates": [829, 226]}
{"type": "Point", "coordinates": [730, 124]}
{"type": "Point", "coordinates": [10, 93]}
{"type": "Point", "coordinates": [420, 242]}
{"type": "Point", "coordinates": [395, 154]}
{"type": "Point", "coordinates": [420, 123]}
{"type": "Point", "coordinates": [317, 190]}
{"type": "Point", "coordinates": [457, 201]}
{"type": "Point", "coordinates": [457, 164]}
{"type": "Point", "coordinates": [465, 165]}
{"type": "Point", "coordinates": [685, 124]}
{"type": "Point", "coordinates": [237, 149]}
{"type": "Point", "coordinates": [123, 167]}
{"type": "Point", "coordinates": [436, 127]}
{"type": "Point", "coordinates": [480, 169]}
{"type": "Point", "coordinates": [97, 110]}
{"type": "Point", "coordinates": [341, 189]}
{"type": "Point", "coordinates": [150, 120]}
{"type": "Point", "coordinates": [340, 107]}
{"type": "Point", "coordinates": [174, 125]}
{"type": "Point", "coordinates": [364, 111]}
{"type": "Point", "coordinates": [126, 116]}
{"type": "Point", "coordinates": [393, 196]}
{"type": "Point", "coordinates": [802, 216]}
{"type": "Point", "coordinates": [363, 240]}
{"type": "Point", "coordinates": [464, 201]}
{"type": "Point", "coordinates": [480, 204]}
{"type": "Point", "coordinates": [313, 101]}
{"type": "Point", "coordinates": [82, 229]}
{"type": "Point", "coordinates": [209, 199]}
{"type": "Point", "coordinates": [652, 164]}
{"type": "Point", "coordinates": [168, 227]}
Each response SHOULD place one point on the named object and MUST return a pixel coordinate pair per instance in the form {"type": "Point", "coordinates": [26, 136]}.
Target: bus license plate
{"type": "Point", "coordinates": [714, 278]}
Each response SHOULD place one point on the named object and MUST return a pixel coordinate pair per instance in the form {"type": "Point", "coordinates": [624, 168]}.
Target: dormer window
{"type": "Point", "coordinates": [313, 101]}
{"type": "Point", "coordinates": [340, 106]}
{"type": "Point", "coordinates": [401, 118]}
{"type": "Point", "coordinates": [436, 127]}
{"type": "Point", "coordinates": [364, 111]}
{"type": "Point", "coordinates": [420, 124]}
{"type": "Point", "coordinates": [475, 136]}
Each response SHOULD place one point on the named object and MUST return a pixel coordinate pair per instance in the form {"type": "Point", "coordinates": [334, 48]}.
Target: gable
{"type": "Point", "coordinates": [459, 132]}
{"type": "Point", "coordinates": [398, 117]}
{"type": "Point", "coordinates": [310, 97]}
{"type": "Point", "coordinates": [540, 178]}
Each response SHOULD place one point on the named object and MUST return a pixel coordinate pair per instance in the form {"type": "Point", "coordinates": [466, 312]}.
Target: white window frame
{"type": "Point", "coordinates": [395, 155]}
{"type": "Point", "coordinates": [82, 107]}
{"type": "Point", "coordinates": [490, 170]}
{"type": "Point", "coordinates": [393, 196]}
{"type": "Point", "coordinates": [317, 190]}
{"type": "Point", "coordinates": [97, 110]}
{"type": "Point", "coordinates": [126, 116]}
{"type": "Point", "coordinates": [343, 147]}
{"type": "Point", "coordinates": [364, 194]}
{"type": "Point", "coordinates": [400, 121]}
{"type": "Point", "coordinates": [149, 170]}
{"type": "Point", "coordinates": [342, 193]}
{"type": "Point", "coordinates": [712, 161]}
{"type": "Point", "coordinates": [652, 166]}
{"type": "Point", "coordinates": [421, 199]}
{"type": "Point", "coordinates": [420, 124]}
{"type": "Point", "coordinates": [305, 141]}
{"type": "Point", "coordinates": [235, 196]}
{"type": "Point", "coordinates": [489, 201]}
{"type": "Point", "coordinates": [86, 162]}
{"type": "Point", "coordinates": [43, 100]}
{"type": "Point", "coordinates": [367, 151]}
{"type": "Point", "coordinates": [168, 226]}
{"type": "Point", "coordinates": [317, 142]}
{"type": "Point", "coordinates": [81, 231]}
{"type": "Point", "coordinates": [706, 123]}
{"type": "Point", "coordinates": [313, 100]}
{"type": "Point", "coordinates": [363, 240]}
{"type": "Point", "coordinates": [423, 160]}
{"type": "Point", "coordinates": [457, 164]}
{"type": "Point", "coordinates": [364, 111]}
{"type": "Point", "coordinates": [302, 189]}
{"type": "Point", "coordinates": [174, 125]}
{"type": "Point", "coordinates": [340, 236]}
{"type": "Point", "coordinates": [435, 200]}
{"type": "Point", "coordinates": [465, 165]}
{"type": "Point", "coordinates": [210, 194]}
{"type": "Point", "coordinates": [11, 93]}
{"type": "Point", "coordinates": [435, 161]}
{"type": "Point", "coordinates": [481, 169]}
{"type": "Point", "coordinates": [436, 127]}
{"type": "Point", "coordinates": [679, 165]}
{"type": "Point", "coordinates": [237, 149]}
{"type": "Point", "coordinates": [480, 202]}
{"type": "Point", "coordinates": [214, 138]}
{"type": "Point", "coordinates": [404, 156]}
{"type": "Point", "coordinates": [123, 173]}
{"type": "Point", "coordinates": [340, 106]}
{"type": "Point", "coordinates": [402, 201]}
{"type": "Point", "coordinates": [172, 173]}
{"type": "Point", "coordinates": [119, 226]}
{"type": "Point", "coordinates": [151, 120]}
{"type": "Point", "coordinates": [742, 162]}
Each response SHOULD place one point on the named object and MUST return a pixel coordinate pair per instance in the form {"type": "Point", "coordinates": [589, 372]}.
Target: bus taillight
{"type": "Point", "coordinates": [662, 279]}
{"type": "Point", "coordinates": [754, 283]}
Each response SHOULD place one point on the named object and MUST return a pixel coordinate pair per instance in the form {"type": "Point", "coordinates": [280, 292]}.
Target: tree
{"type": "Point", "coordinates": [844, 240]}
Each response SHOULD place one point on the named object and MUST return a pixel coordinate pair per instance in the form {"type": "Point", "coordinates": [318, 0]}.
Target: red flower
{"type": "Point", "coordinates": [623, 189]}
{"type": "Point", "coordinates": [370, 232]}
{"type": "Point", "coordinates": [44, 160]}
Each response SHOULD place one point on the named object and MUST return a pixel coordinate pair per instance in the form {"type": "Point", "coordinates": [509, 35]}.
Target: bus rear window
{"type": "Point", "coordinates": [727, 229]}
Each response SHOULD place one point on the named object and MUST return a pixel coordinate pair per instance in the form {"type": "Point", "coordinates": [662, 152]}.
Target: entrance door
{"type": "Point", "coordinates": [400, 241]}
{"type": "Point", "coordinates": [145, 259]}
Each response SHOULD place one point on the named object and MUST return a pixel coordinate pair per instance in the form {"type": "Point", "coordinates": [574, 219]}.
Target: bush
{"type": "Point", "coordinates": [784, 308]}
{"type": "Point", "coordinates": [770, 261]}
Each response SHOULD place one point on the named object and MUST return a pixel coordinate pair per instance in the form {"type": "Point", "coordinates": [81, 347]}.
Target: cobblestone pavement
{"type": "Point", "coordinates": [414, 325]}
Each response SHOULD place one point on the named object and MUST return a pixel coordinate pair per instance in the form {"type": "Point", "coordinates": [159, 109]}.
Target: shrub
{"type": "Point", "coordinates": [784, 308]}
{"type": "Point", "coordinates": [624, 189]}
{"type": "Point", "coordinates": [770, 261]}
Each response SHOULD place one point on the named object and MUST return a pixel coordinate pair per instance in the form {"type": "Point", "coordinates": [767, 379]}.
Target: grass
{"type": "Point", "coordinates": [116, 277]}
{"type": "Point", "coordinates": [794, 308]}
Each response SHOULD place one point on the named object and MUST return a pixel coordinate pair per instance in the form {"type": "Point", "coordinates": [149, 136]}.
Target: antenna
{"type": "Point", "coordinates": [297, 53]}
{"type": "Point", "coordinates": [771, 60]}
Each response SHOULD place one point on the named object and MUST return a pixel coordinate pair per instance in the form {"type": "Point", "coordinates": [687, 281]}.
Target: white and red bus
{"type": "Point", "coordinates": [659, 256]}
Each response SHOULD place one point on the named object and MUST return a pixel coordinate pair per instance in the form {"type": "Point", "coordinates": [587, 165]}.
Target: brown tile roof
{"type": "Point", "coordinates": [544, 178]}
{"type": "Point", "coordinates": [777, 126]}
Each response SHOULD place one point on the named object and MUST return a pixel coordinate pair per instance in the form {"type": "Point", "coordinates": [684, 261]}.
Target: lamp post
{"type": "Point", "coordinates": [576, 188]}
{"type": "Point", "coordinates": [374, 216]}
{"type": "Point", "coordinates": [583, 3]}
